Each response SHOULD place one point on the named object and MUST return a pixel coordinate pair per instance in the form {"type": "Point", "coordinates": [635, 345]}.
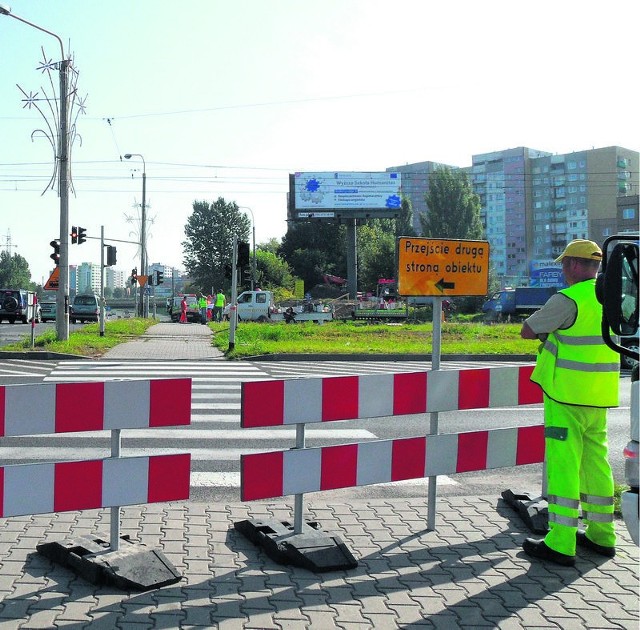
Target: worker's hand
{"type": "Point", "coordinates": [527, 333]}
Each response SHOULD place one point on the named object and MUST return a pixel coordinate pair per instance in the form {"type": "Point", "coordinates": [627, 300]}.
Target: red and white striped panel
{"type": "Point", "coordinates": [91, 484]}
{"type": "Point", "coordinates": [297, 471]}
{"type": "Point", "coordinates": [64, 407]}
{"type": "Point", "coordinates": [307, 400]}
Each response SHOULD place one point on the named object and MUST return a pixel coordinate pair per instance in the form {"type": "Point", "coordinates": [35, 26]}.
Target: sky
{"type": "Point", "coordinates": [225, 98]}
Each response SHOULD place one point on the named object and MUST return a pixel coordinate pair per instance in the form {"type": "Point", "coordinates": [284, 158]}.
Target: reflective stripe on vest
{"type": "Point", "coordinates": [574, 365]}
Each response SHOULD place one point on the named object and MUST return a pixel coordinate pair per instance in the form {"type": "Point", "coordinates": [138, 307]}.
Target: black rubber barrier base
{"type": "Point", "coordinates": [313, 549]}
{"type": "Point", "coordinates": [534, 512]}
{"type": "Point", "coordinates": [133, 567]}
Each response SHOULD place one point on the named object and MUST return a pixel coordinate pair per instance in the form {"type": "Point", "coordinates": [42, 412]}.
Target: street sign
{"type": "Point", "coordinates": [53, 282]}
{"type": "Point", "coordinates": [142, 280]}
{"type": "Point", "coordinates": [442, 267]}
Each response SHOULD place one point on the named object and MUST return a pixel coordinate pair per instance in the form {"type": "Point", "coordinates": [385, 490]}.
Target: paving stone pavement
{"type": "Point", "coordinates": [470, 572]}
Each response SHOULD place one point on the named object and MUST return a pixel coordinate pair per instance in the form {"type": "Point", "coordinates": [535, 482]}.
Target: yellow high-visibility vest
{"type": "Point", "coordinates": [574, 365]}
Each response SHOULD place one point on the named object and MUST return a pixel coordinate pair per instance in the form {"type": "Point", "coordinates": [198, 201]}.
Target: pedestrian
{"type": "Point", "coordinates": [183, 310]}
{"type": "Point", "coordinates": [579, 376]}
{"type": "Point", "coordinates": [202, 306]}
{"type": "Point", "coordinates": [219, 305]}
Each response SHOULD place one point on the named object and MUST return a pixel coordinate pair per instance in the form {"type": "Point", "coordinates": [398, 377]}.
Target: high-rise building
{"type": "Point", "coordinates": [88, 278]}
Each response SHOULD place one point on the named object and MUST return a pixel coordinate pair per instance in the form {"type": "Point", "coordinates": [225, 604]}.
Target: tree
{"type": "Point", "coordinates": [313, 249]}
{"type": "Point", "coordinates": [272, 271]}
{"type": "Point", "coordinates": [208, 246]}
{"type": "Point", "coordinates": [14, 272]}
{"type": "Point", "coordinates": [404, 220]}
{"type": "Point", "coordinates": [376, 253]}
{"type": "Point", "coordinates": [454, 209]}
{"type": "Point", "coordinates": [454, 212]}
{"type": "Point", "coordinates": [272, 245]}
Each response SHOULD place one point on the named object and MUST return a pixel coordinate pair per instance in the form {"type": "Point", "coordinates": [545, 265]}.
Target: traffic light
{"type": "Point", "coordinates": [246, 275]}
{"type": "Point", "coordinates": [81, 238]}
{"type": "Point", "coordinates": [159, 278]}
{"type": "Point", "coordinates": [243, 253]}
{"type": "Point", "coordinates": [134, 275]}
{"type": "Point", "coordinates": [56, 251]}
{"type": "Point", "coordinates": [227, 271]}
{"type": "Point", "coordinates": [111, 255]}
{"type": "Point", "coordinates": [74, 234]}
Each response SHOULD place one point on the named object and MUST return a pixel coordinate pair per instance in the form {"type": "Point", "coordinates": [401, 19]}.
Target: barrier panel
{"type": "Point", "coordinates": [311, 400]}
{"type": "Point", "coordinates": [41, 488]}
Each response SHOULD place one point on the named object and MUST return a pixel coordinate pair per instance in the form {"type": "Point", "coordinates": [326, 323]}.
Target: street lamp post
{"type": "Point", "coordinates": [253, 232]}
{"type": "Point", "coordinates": [143, 232]}
{"type": "Point", "coordinates": [62, 299]}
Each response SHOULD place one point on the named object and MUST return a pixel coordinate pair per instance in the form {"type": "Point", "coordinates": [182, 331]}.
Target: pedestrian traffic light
{"type": "Point", "coordinates": [81, 235]}
{"type": "Point", "coordinates": [246, 275]}
{"type": "Point", "coordinates": [74, 234]}
{"type": "Point", "coordinates": [111, 255]}
{"type": "Point", "coordinates": [56, 251]}
{"type": "Point", "coordinates": [134, 275]}
{"type": "Point", "coordinates": [227, 271]}
{"type": "Point", "coordinates": [159, 279]}
{"type": "Point", "coordinates": [243, 253]}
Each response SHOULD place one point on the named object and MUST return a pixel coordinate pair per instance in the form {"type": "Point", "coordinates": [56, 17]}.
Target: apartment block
{"type": "Point", "coordinates": [533, 202]}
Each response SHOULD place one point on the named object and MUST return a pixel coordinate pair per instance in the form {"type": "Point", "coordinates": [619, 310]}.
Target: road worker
{"type": "Point", "coordinates": [202, 306]}
{"type": "Point", "coordinates": [218, 306]}
{"type": "Point", "coordinates": [579, 376]}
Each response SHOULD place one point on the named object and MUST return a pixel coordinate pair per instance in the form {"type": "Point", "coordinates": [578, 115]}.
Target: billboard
{"type": "Point", "coordinates": [335, 195]}
{"type": "Point", "coordinates": [546, 273]}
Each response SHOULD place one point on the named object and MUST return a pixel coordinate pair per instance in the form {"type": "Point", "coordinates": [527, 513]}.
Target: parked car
{"type": "Point", "coordinates": [193, 312]}
{"type": "Point", "coordinates": [85, 308]}
{"type": "Point", "coordinates": [18, 304]}
{"type": "Point", "coordinates": [48, 311]}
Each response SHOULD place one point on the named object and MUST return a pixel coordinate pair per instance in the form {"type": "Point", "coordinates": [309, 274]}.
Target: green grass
{"type": "Point", "coordinates": [340, 337]}
{"type": "Point", "coordinates": [362, 338]}
{"type": "Point", "coordinates": [87, 341]}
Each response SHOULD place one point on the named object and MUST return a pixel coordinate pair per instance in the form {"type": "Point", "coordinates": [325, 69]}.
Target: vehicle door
{"type": "Point", "coordinates": [261, 306]}
{"type": "Point", "coordinates": [246, 306]}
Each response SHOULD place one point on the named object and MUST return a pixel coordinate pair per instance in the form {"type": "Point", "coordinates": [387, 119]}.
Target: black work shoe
{"type": "Point", "coordinates": [583, 541]}
{"type": "Point", "coordinates": [538, 549]}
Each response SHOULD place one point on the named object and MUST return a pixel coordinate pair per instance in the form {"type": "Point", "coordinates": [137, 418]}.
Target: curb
{"type": "Point", "coordinates": [387, 357]}
{"type": "Point", "coordinates": [34, 354]}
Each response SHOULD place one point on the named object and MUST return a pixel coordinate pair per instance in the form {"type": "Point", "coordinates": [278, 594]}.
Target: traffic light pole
{"type": "Point", "coordinates": [102, 280]}
{"type": "Point", "coordinates": [233, 311]}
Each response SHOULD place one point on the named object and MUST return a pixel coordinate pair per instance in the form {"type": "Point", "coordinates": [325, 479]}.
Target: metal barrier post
{"type": "Point", "coordinates": [433, 416]}
{"type": "Point", "coordinates": [299, 498]}
{"type": "Point", "coordinates": [115, 510]}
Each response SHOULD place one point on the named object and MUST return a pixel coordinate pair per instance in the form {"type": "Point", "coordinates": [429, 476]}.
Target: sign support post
{"type": "Point", "coordinates": [440, 268]}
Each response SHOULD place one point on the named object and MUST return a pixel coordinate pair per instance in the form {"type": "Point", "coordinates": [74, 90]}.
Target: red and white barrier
{"type": "Point", "coordinates": [297, 471]}
{"type": "Point", "coordinates": [85, 485]}
{"type": "Point", "coordinates": [66, 407]}
{"type": "Point", "coordinates": [45, 408]}
{"type": "Point", "coordinates": [309, 400]}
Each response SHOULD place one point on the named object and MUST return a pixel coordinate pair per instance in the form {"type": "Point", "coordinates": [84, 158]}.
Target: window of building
{"type": "Point", "coordinates": [628, 213]}
{"type": "Point", "coordinates": [571, 165]}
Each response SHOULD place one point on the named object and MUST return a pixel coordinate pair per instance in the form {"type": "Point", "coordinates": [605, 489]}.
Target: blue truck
{"type": "Point", "coordinates": [508, 304]}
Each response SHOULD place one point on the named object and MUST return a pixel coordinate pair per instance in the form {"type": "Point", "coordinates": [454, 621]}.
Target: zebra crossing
{"type": "Point", "coordinates": [293, 369]}
{"type": "Point", "coordinates": [24, 369]}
